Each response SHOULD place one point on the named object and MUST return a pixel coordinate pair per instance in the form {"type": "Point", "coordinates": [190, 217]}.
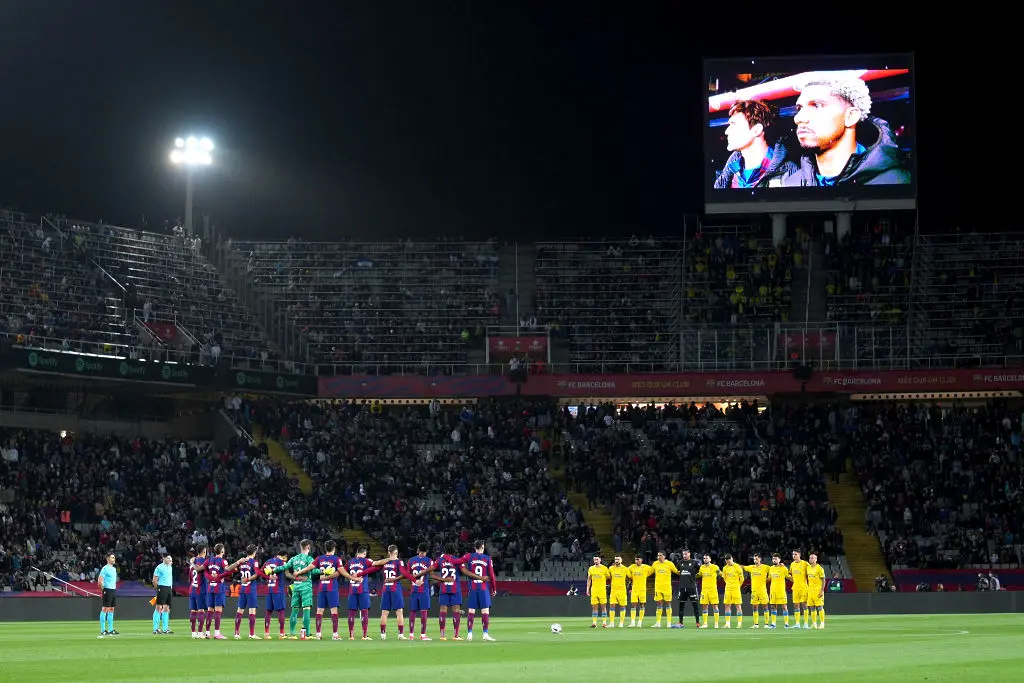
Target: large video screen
{"type": "Point", "coordinates": [805, 134]}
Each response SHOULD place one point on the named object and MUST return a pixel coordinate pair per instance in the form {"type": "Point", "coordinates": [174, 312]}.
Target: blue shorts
{"type": "Point", "coordinates": [248, 601]}
{"type": "Point", "coordinates": [391, 601]}
{"type": "Point", "coordinates": [327, 600]}
{"type": "Point", "coordinates": [196, 602]}
{"type": "Point", "coordinates": [214, 600]}
{"type": "Point", "coordinates": [450, 599]}
{"type": "Point", "coordinates": [359, 601]}
{"type": "Point", "coordinates": [479, 599]}
{"type": "Point", "coordinates": [275, 602]}
{"type": "Point", "coordinates": [419, 602]}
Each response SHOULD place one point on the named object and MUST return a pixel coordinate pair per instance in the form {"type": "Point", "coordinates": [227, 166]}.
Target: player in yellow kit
{"type": "Point", "coordinates": [638, 575]}
{"type": "Point", "coordinates": [708, 576]}
{"type": "Point", "coordinates": [758, 590]}
{"type": "Point", "coordinates": [777, 575]}
{"type": "Point", "coordinates": [798, 573]}
{"type": "Point", "coordinates": [597, 589]}
{"type": "Point", "coordinates": [663, 571]}
{"type": "Point", "coordinates": [816, 591]}
{"type": "Point", "coordinates": [733, 575]}
{"type": "Point", "coordinates": [618, 601]}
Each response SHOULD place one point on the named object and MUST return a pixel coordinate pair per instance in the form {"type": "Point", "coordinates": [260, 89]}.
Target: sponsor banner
{"type": "Point", "coordinates": [684, 384]}
{"type": "Point", "coordinates": [273, 382]}
{"type": "Point", "coordinates": [166, 332]}
{"type": "Point", "coordinates": [100, 367]}
{"type": "Point", "coordinates": [502, 348]}
{"type": "Point", "coordinates": [956, 579]}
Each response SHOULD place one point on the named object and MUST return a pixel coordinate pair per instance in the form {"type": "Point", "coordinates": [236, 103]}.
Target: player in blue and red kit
{"type": "Point", "coordinates": [217, 571]}
{"type": "Point", "coordinates": [419, 597]}
{"type": "Point", "coordinates": [197, 590]}
{"type": "Point", "coordinates": [327, 595]}
{"type": "Point", "coordinates": [277, 592]}
{"type": "Point", "coordinates": [450, 594]}
{"type": "Point", "coordinates": [391, 597]}
{"type": "Point", "coordinates": [359, 592]}
{"type": "Point", "coordinates": [482, 586]}
{"type": "Point", "coordinates": [248, 593]}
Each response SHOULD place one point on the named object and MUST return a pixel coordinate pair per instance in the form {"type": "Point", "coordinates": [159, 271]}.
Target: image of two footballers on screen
{"type": "Point", "coordinates": [767, 590]}
{"type": "Point", "coordinates": [833, 123]}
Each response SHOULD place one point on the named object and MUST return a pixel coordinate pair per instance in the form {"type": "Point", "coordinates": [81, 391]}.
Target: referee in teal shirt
{"type": "Point", "coordinates": [107, 582]}
{"type": "Point", "coordinates": [163, 580]}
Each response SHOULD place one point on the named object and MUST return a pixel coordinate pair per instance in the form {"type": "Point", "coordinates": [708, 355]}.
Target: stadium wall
{"type": "Point", "coordinates": [87, 609]}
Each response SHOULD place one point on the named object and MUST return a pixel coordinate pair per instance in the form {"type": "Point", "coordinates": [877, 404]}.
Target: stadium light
{"type": "Point", "coordinates": [191, 153]}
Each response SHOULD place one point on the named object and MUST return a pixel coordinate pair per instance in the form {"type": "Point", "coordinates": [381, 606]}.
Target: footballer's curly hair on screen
{"type": "Point", "coordinates": [755, 112]}
{"type": "Point", "coordinates": [850, 89]}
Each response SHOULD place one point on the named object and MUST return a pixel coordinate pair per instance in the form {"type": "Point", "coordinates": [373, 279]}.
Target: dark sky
{"type": "Point", "coordinates": [382, 118]}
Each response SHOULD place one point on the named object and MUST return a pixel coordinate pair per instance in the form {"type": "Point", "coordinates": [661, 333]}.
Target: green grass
{"type": "Point", "coordinates": [955, 648]}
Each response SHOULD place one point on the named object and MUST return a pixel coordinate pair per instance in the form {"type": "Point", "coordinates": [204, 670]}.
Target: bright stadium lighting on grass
{"type": "Point", "coordinates": [191, 153]}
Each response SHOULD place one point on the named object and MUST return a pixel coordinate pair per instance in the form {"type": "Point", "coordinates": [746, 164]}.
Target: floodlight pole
{"type": "Point", "coordinates": [189, 191]}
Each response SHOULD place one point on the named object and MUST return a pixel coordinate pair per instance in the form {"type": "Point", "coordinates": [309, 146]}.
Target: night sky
{"type": "Point", "coordinates": [379, 118]}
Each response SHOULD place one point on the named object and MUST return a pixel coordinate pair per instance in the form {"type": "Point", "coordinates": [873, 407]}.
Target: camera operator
{"type": "Point", "coordinates": [983, 583]}
{"type": "Point", "coordinates": [882, 584]}
{"type": "Point", "coordinates": [923, 588]}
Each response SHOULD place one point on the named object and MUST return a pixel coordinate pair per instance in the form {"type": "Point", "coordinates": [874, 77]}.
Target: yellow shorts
{"type": "Point", "coordinates": [815, 600]}
{"type": "Point", "coordinates": [662, 596]}
{"type": "Point", "coordinates": [598, 598]}
{"type": "Point", "coordinates": [778, 598]}
{"type": "Point", "coordinates": [759, 598]}
{"type": "Point", "coordinates": [618, 598]}
{"type": "Point", "coordinates": [709, 597]}
{"type": "Point", "coordinates": [733, 597]}
{"type": "Point", "coordinates": [799, 595]}
{"type": "Point", "coordinates": [639, 598]}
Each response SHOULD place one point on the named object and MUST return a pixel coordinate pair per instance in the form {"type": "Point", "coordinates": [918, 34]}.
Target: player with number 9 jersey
{"type": "Point", "coordinates": [483, 582]}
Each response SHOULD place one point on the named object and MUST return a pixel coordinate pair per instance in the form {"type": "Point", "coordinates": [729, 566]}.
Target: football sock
{"type": "Point", "coordinates": [821, 616]}
{"type": "Point", "coordinates": [668, 616]}
{"type": "Point", "coordinates": [716, 619]}
{"type": "Point", "coordinates": [423, 623]}
{"type": "Point", "coordinates": [774, 617]}
{"type": "Point", "coordinates": [364, 619]}
{"type": "Point", "coordinates": [238, 622]}
{"type": "Point", "coordinates": [293, 618]}
{"type": "Point", "coordinates": [486, 619]}
{"type": "Point", "coordinates": [442, 620]}
{"type": "Point", "coordinates": [383, 629]}
{"type": "Point", "coordinates": [401, 627]}
{"type": "Point", "coordinates": [351, 623]}
{"type": "Point", "coordinates": [334, 623]}
{"type": "Point", "coordinates": [739, 619]}
{"type": "Point", "coordinates": [457, 618]}
{"type": "Point", "coordinates": [252, 624]}
{"type": "Point", "coordinates": [110, 621]}
{"type": "Point", "coordinates": [785, 617]}
{"type": "Point", "coordinates": [319, 623]}
{"type": "Point", "coordinates": [757, 618]}
{"type": "Point", "coordinates": [103, 622]}
{"type": "Point", "coordinates": [657, 614]}
{"type": "Point", "coordinates": [280, 621]}
{"type": "Point", "coordinates": [593, 618]}
{"type": "Point", "coordinates": [266, 623]}
{"type": "Point", "coordinates": [814, 617]}
{"type": "Point", "coordinates": [156, 620]}
{"type": "Point", "coordinates": [469, 622]}
{"type": "Point", "coordinates": [216, 621]}
{"type": "Point", "coordinates": [305, 621]}
{"type": "Point", "coordinates": [643, 613]}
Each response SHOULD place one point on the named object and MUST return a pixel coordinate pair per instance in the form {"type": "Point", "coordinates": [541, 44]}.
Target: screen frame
{"type": "Point", "coordinates": [798, 199]}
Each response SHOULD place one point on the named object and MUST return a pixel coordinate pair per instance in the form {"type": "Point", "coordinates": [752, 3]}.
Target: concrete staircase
{"type": "Point", "coordinates": [280, 455]}
{"type": "Point", "coordinates": [600, 520]}
{"type": "Point", "coordinates": [809, 297]}
{"type": "Point", "coordinates": [515, 271]}
{"type": "Point", "coordinates": [358, 536]}
{"type": "Point", "coordinates": [863, 551]}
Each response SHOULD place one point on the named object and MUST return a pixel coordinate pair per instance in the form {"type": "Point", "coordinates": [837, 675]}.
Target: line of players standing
{"type": "Point", "coordinates": [808, 590]}
{"type": "Point", "coordinates": [209, 574]}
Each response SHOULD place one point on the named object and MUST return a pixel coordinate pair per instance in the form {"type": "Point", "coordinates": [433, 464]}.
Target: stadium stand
{"type": "Point", "coordinates": [943, 485]}
{"type": "Point", "coordinates": [615, 301]}
{"type": "Point", "coordinates": [968, 308]}
{"type": "Point", "coordinates": [690, 476]}
{"type": "Point", "coordinates": [165, 278]}
{"type": "Point", "coordinates": [76, 497]}
{"type": "Point", "coordinates": [52, 296]}
{"type": "Point", "coordinates": [410, 307]}
{"type": "Point", "coordinates": [410, 473]}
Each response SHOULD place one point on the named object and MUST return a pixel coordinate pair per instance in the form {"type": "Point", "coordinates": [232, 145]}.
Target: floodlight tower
{"type": "Point", "coordinates": [191, 153]}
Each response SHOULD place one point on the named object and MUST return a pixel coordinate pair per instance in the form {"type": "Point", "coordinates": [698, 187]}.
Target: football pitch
{"type": "Point", "coordinates": [955, 648]}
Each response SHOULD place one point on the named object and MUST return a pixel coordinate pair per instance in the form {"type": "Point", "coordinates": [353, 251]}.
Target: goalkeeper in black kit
{"type": "Point", "coordinates": [688, 569]}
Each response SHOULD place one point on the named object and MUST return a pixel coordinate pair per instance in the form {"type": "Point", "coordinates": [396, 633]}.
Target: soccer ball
{"type": "Point", "coordinates": [556, 628]}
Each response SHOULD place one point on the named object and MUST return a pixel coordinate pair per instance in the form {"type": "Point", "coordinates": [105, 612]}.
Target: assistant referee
{"type": "Point", "coordinates": [163, 579]}
{"type": "Point", "coordinates": [688, 569]}
{"type": "Point", "coordinates": [107, 582]}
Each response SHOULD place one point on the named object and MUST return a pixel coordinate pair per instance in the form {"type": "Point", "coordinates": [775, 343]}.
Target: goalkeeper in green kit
{"type": "Point", "coordinates": [303, 570]}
